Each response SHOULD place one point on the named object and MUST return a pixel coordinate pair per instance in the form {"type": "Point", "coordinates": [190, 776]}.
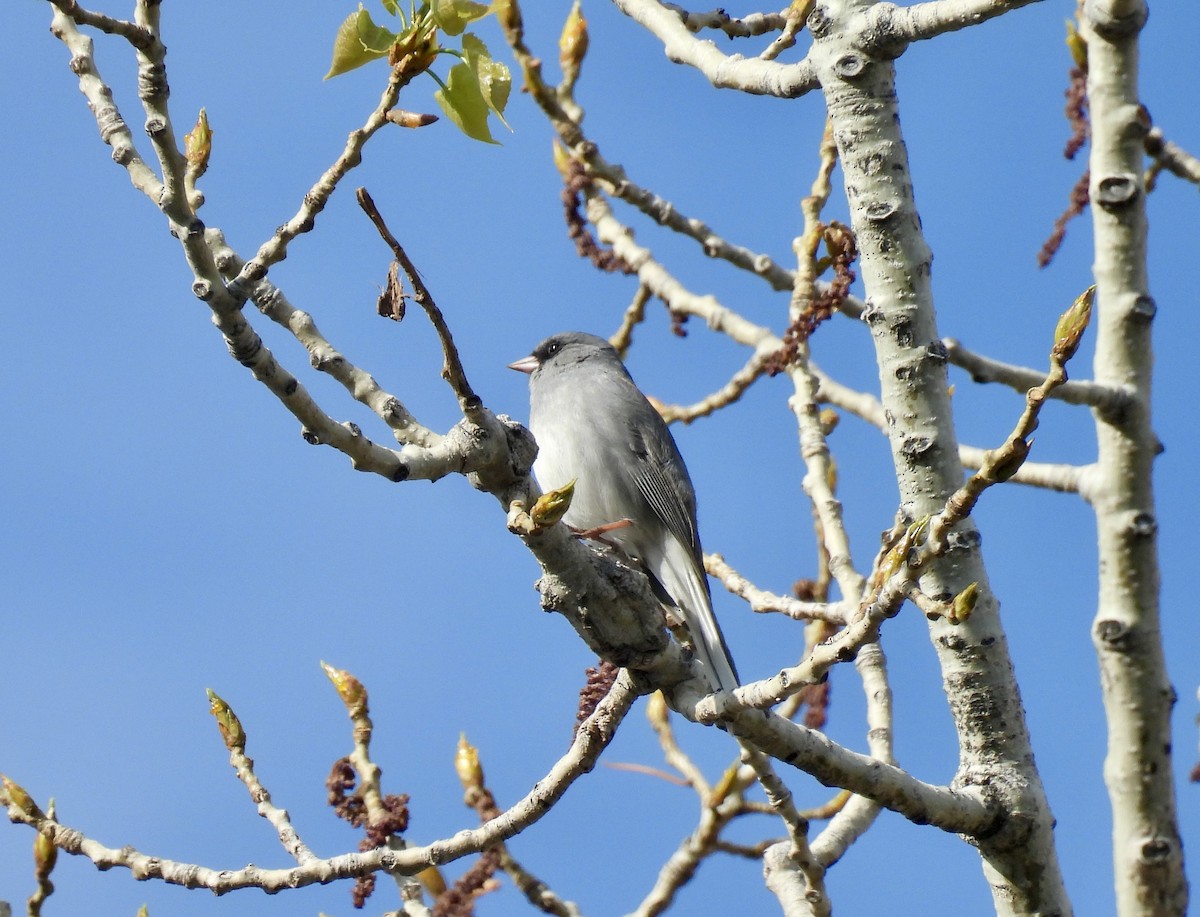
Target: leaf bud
{"type": "Point", "coordinates": [197, 146]}
{"type": "Point", "coordinates": [349, 689]}
{"type": "Point", "coordinates": [232, 733]}
{"type": "Point", "coordinates": [1071, 325]}
{"type": "Point", "coordinates": [1076, 45]}
{"type": "Point", "coordinates": [573, 43]}
{"type": "Point", "coordinates": [13, 794]}
{"type": "Point", "coordinates": [466, 764]}
{"type": "Point", "coordinates": [551, 507]}
{"type": "Point", "coordinates": [963, 604]}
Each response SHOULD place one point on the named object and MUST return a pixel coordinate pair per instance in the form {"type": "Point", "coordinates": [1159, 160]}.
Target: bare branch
{"type": "Point", "coordinates": [274, 249]}
{"type": "Point", "coordinates": [591, 739]}
{"type": "Point", "coordinates": [564, 116]}
{"type": "Point", "coordinates": [891, 25]}
{"type": "Point", "coordinates": [963, 811]}
{"type": "Point", "coordinates": [1127, 633]}
{"type": "Point", "coordinates": [1062, 478]}
{"type": "Point", "coordinates": [1022, 378]}
{"type": "Point", "coordinates": [856, 814]}
{"type": "Point", "coordinates": [742, 27]}
{"type": "Point", "coordinates": [274, 304]}
{"type": "Point", "coordinates": [800, 856]}
{"type": "Point", "coordinates": [752, 75]}
{"type": "Point", "coordinates": [141, 38]}
{"type": "Point", "coordinates": [278, 818]}
{"type": "Point", "coordinates": [728, 394]}
{"type": "Point", "coordinates": [452, 368]}
{"type": "Point", "coordinates": [765, 602]}
{"type": "Point", "coordinates": [1172, 157]}
{"type": "Point", "coordinates": [658, 715]}
{"type": "Point", "coordinates": [662, 284]}
{"type": "Point", "coordinates": [635, 314]}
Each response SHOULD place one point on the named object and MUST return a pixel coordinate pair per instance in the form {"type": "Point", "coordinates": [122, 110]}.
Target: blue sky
{"type": "Point", "coordinates": [166, 529]}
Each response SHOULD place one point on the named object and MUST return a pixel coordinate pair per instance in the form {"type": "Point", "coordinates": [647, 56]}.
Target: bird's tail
{"type": "Point", "coordinates": [688, 588]}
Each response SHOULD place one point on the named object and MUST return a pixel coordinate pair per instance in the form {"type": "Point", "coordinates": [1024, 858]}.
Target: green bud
{"type": "Point", "coordinates": [551, 507]}
{"type": "Point", "coordinates": [197, 145]}
{"type": "Point", "coordinates": [1069, 330]}
{"type": "Point", "coordinates": [45, 855]}
{"type": "Point", "coordinates": [573, 43]}
{"type": "Point", "coordinates": [1076, 45]}
{"type": "Point", "coordinates": [466, 764]}
{"type": "Point", "coordinates": [963, 604]}
{"type": "Point", "coordinates": [431, 878]}
{"type": "Point", "coordinates": [232, 733]}
{"type": "Point", "coordinates": [349, 689]}
{"type": "Point", "coordinates": [13, 794]}
{"type": "Point", "coordinates": [828, 418]}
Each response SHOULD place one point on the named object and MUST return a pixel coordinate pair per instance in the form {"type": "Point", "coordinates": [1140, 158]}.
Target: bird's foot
{"type": "Point", "coordinates": [598, 533]}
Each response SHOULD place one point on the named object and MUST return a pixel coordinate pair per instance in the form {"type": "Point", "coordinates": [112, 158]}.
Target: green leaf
{"type": "Point", "coordinates": [453, 16]}
{"type": "Point", "coordinates": [495, 82]}
{"type": "Point", "coordinates": [393, 7]}
{"type": "Point", "coordinates": [375, 38]}
{"type": "Point", "coordinates": [475, 87]}
{"type": "Point", "coordinates": [462, 101]}
{"type": "Point", "coordinates": [359, 41]}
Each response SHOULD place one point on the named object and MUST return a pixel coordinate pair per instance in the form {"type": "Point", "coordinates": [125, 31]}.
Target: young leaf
{"type": "Point", "coordinates": [495, 82]}
{"type": "Point", "coordinates": [462, 101]}
{"type": "Point", "coordinates": [452, 16]}
{"type": "Point", "coordinates": [359, 41]}
{"type": "Point", "coordinates": [375, 38]}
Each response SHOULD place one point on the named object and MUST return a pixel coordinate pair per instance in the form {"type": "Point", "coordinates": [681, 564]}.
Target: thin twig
{"type": "Point", "coordinates": [763, 602]}
{"type": "Point", "coordinates": [591, 739]}
{"type": "Point", "coordinates": [452, 368]}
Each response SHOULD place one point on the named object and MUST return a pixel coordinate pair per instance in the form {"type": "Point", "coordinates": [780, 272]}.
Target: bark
{"type": "Point", "coordinates": [1019, 860]}
{"type": "Point", "coordinates": [1147, 852]}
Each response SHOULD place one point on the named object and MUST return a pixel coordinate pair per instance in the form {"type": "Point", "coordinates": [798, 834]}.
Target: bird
{"type": "Point", "coordinates": [594, 426]}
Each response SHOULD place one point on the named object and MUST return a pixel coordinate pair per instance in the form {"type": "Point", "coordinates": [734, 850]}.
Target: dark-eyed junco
{"type": "Point", "coordinates": [593, 425]}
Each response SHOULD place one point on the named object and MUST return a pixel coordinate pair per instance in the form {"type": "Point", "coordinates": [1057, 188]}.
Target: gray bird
{"type": "Point", "coordinates": [593, 425]}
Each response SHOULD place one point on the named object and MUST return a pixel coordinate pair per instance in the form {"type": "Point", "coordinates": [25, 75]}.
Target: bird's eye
{"type": "Point", "coordinates": [553, 348]}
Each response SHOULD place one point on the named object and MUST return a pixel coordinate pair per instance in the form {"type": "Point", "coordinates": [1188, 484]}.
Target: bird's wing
{"type": "Point", "coordinates": [679, 565]}
{"type": "Point", "coordinates": [660, 478]}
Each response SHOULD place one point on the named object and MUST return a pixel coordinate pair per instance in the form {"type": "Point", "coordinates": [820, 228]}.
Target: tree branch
{"type": "Point", "coordinates": [890, 26]}
{"type": "Point", "coordinates": [762, 602]}
{"type": "Point", "coordinates": [1172, 157]}
{"type": "Point", "coordinates": [857, 75]}
{"type": "Point", "coordinates": [752, 75]}
{"type": "Point", "coordinates": [590, 740]}
{"type": "Point", "coordinates": [1021, 379]}
{"type": "Point", "coordinates": [742, 27]}
{"type": "Point", "coordinates": [1147, 851]}
{"type": "Point", "coordinates": [452, 368]}
{"type": "Point", "coordinates": [274, 249]}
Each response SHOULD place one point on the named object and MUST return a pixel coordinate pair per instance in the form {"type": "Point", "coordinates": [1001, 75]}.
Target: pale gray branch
{"type": "Point", "coordinates": [274, 304]}
{"type": "Point", "coordinates": [741, 27]}
{"type": "Point", "coordinates": [1172, 157]}
{"type": "Point", "coordinates": [891, 25]}
{"type": "Point", "coordinates": [1127, 634]}
{"type": "Point", "coordinates": [963, 811]}
{"type": "Point", "coordinates": [1023, 378]}
{"type": "Point", "coordinates": [859, 812]}
{"type": "Point", "coordinates": [752, 75]}
{"type": "Point", "coordinates": [762, 601]}
{"type": "Point", "coordinates": [593, 736]}
{"type": "Point", "coordinates": [1058, 477]}
{"type": "Point", "coordinates": [275, 249]}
